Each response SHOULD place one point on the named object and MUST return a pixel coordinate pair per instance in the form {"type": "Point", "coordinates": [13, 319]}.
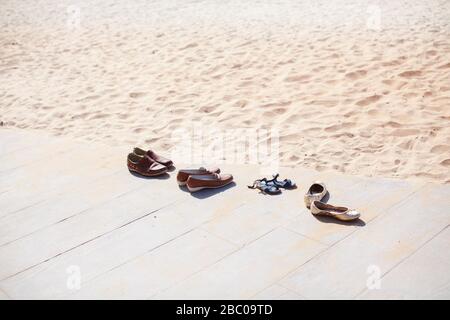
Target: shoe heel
{"type": "Point", "coordinates": [181, 183]}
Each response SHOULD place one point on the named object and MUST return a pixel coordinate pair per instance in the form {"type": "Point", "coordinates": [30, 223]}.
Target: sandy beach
{"type": "Point", "coordinates": [358, 87]}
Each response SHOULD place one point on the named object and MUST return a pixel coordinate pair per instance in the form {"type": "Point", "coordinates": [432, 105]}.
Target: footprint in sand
{"type": "Point", "coordinates": [406, 145]}
{"type": "Point", "coordinates": [392, 124]}
{"type": "Point", "coordinates": [356, 74]}
{"type": "Point", "coordinates": [392, 63]}
{"type": "Point", "coordinates": [297, 78]}
{"type": "Point", "coordinates": [190, 45]}
{"type": "Point", "coordinates": [240, 104]}
{"type": "Point", "coordinates": [445, 163]}
{"type": "Point", "coordinates": [445, 66]}
{"type": "Point", "coordinates": [89, 98]}
{"type": "Point", "coordinates": [135, 95]}
{"type": "Point", "coordinates": [207, 109]}
{"type": "Point", "coordinates": [338, 127]}
{"type": "Point", "coordinates": [368, 100]}
{"type": "Point", "coordinates": [99, 116]}
{"type": "Point", "coordinates": [404, 132]}
{"type": "Point", "coordinates": [411, 74]}
{"type": "Point", "coordinates": [279, 111]}
{"type": "Point", "coordinates": [139, 130]}
{"type": "Point", "coordinates": [440, 148]}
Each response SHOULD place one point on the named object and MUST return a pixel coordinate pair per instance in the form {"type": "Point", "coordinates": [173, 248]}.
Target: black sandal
{"type": "Point", "coordinates": [265, 187]}
{"type": "Point", "coordinates": [285, 184]}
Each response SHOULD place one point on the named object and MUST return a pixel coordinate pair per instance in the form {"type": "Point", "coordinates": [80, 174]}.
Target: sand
{"type": "Point", "coordinates": [359, 87]}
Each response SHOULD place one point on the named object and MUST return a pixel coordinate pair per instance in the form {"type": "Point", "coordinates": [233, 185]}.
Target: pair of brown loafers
{"type": "Point", "coordinates": [147, 163]}
{"type": "Point", "coordinates": [202, 178]}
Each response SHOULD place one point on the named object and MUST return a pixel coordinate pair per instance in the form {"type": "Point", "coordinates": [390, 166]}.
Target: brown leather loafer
{"type": "Point", "coordinates": [209, 181]}
{"type": "Point", "coordinates": [160, 159]}
{"type": "Point", "coordinates": [184, 174]}
{"type": "Point", "coordinates": [145, 166]}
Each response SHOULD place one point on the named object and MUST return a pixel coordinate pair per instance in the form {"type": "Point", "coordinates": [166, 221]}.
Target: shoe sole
{"type": "Point", "coordinates": [147, 175]}
{"type": "Point", "coordinates": [334, 216]}
{"type": "Point", "coordinates": [201, 188]}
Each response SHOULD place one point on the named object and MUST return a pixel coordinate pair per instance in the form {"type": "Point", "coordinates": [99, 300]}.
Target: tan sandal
{"type": "Point", "coordinates": [317, 191]}
{"type": "Point", "coordinates": [340, 213]}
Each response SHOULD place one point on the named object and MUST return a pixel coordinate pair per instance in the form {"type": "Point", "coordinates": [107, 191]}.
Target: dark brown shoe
{"type": "Point", "coordinates": [184, 174]}
{"type": "Point", "coordinates": [210, 181]}
{"type": "Point", "coordinates": [145, 166]}
{"type": "Point", "coordinates": [160, 159]}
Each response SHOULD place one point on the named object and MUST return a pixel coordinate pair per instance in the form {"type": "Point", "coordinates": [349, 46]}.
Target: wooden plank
{"type": "Point", "coordinates": [3, 296]}
{"type": "Point", "coordinates": [42, 180]}
{"type": "Point", "coordinates": [157, 270]}
{"type": "Point", "coordinates": [76, 160]}
{"type": "Point", "coordinates": [277, 292]}
{"type": "Point", "coordinates": [60, 207]}
{"type": "Point", "coordinates": [80, 228]}
{"type": "Point", "coordinates": [86, 210]}
{"type": "Point", "coordinates": [423, 275]}
{"type": "Point", "coordinates": [12, 140]}
{"type": "Point", "coordinates": [48, 279]}
{"type": "Point", "coordinates": [343, 270]}
{"type": "Point", "coordinates": [27, 156]}
{"type": "Point", "coordinates": [249, 270]}
{"type": "Point", "coordinates": [262, 213]}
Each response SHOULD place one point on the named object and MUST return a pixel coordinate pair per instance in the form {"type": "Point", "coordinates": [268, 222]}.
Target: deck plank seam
{"type": "Point", "coordinates": [5, 293]}
{"type": "Point", "coordinates": [62, 220]}
{"type": "Point", "coordinates": [202, 228]}
{"type": "Point", "coordinates": [305, 236]}
{"type": "Point", "coordinates": [330, 247]}
{"type": "Point", "coordinates": [59, 193]}
{"type": "Point", "coordinates": [83, 243]}
{"type": "Point", "coordinates": [34, 161]}
{"type": "Point", "coordinates": [53, 197]}
{"type": "Point", "coordinates": [404, 259]}
{"type": "Point", "coordinates": [236, 247]}
{"type": "Point", "coordinates": [277, 284]}
{"type": "Point", "coordinates": [32, 146]}
{"type": "Point", "coordinates": [136, 257]}
{"type": "Point", "coordinates": [210, 265]}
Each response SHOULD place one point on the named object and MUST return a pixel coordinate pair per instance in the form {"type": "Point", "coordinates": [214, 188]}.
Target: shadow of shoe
{"type": "Point", "coordinates": [171, 168]}
{"type": "Point", "coordinates": [206, 193]}
{"type": "Point", "coordinates": [269, 194]}
{"type": "Point", "coordinates": [326, 197]}
{"type": "Point", "coordinates": [183, 188]}
{"type": "Point", "coordinates": [358, 222]}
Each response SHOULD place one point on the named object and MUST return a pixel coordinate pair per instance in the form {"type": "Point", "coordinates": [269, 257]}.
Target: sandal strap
{"type": "Point", "coordinates": [286, 182]}
{"type": "Point", "coordinates": [256, 183]}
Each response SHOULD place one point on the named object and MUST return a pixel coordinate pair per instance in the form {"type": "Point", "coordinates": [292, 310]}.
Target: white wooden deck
{"type": "Point", "coordinates": [70, 208]}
